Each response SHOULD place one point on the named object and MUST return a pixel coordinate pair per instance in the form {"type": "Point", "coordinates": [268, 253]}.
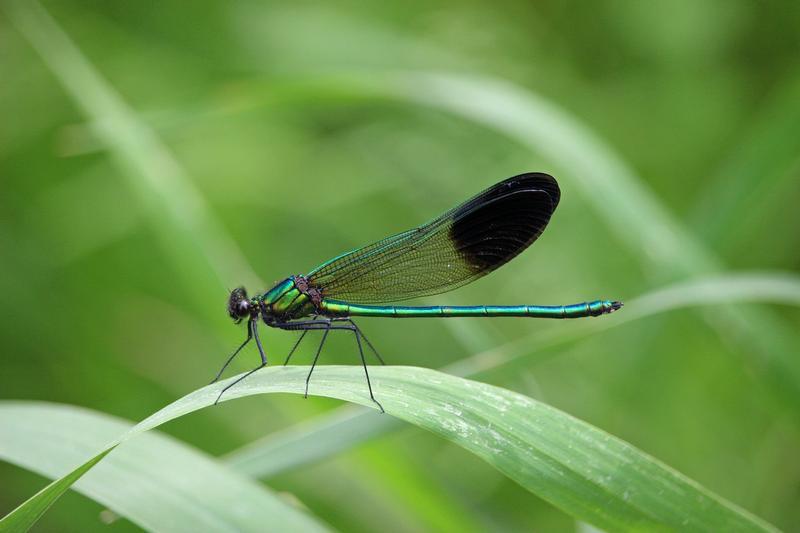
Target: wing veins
{"type": "Point", "coordinates": [430, 259]}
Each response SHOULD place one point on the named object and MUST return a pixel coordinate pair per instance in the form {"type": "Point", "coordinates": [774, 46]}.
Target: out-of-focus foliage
{"type": "Point", "coordinates": [113, 297]}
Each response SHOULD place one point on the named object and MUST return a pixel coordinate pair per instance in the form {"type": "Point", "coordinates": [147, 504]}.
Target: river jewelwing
{"type": "Point", "coordinates": [456, 248]}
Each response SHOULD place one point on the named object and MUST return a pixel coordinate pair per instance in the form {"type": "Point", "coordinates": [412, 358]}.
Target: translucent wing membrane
{"type": "Point", "coordinates": [456, 248]}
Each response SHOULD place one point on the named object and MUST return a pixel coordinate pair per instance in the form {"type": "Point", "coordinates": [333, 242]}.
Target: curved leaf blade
{"type": "Point", "coordinates": [310, 441]}
{"type": "Point", "coordinates": [582, 470]}
{"type": "Point", "coordinates": [154, 480]}
{"type": "Point", "coordinates": [26, 515]}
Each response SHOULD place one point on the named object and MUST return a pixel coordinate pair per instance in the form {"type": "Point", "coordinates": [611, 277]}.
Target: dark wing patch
{"type": "Point", "coordinates": [494, 233]}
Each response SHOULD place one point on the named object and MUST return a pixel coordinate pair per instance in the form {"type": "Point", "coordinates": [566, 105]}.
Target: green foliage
{"type": "Point", "coordinates": [153, 480]}
{"type": "Point", "coordinates": [584, 471]}
{"type": "Point", "coordinates": [152, 160]}
{"type": "Point", "coordinates": [26, 515]}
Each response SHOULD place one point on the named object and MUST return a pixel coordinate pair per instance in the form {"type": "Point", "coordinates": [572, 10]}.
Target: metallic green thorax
{"type": "Point", "coordinates": [285, 301]}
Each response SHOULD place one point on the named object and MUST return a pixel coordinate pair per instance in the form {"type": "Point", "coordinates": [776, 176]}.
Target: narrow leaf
{"type": "Point", "coordinates": [584, 471]}
{"type": "Point", "coordinates": [155, 481]}
{"type": "Point", "coordinates": [26, 515]}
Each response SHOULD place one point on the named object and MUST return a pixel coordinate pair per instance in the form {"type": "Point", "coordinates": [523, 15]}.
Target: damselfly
{"type": "Point", "coordinates": [458, 247]}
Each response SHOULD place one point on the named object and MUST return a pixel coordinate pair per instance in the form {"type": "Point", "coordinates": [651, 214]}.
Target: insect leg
{"type": "Point", "coordinates": [359, 332]}
{"type": "Point", "coordinates": [259, 367]}
{"type": "Point", "coordinates": [364, 363]}
{"type": "Point", "coordinates": [258, 343]}
{"type": "Point", "coordinates": [252, 331]}
{"type": "Point", "coordinates": [328, 326]}
{"type": "Point", "coordinates": [250, 327]}
{"type": "Point", "coordinates": [319, 350]}
{"type": "Point", "coordinates": [296, 344]}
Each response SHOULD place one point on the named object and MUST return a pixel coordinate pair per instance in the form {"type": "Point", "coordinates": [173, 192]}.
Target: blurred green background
{"type": "Point", "coordinates": [240, 142]}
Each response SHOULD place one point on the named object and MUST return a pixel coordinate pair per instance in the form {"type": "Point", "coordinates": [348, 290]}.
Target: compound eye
{"type": "Point", "coordinates": [238, 304]}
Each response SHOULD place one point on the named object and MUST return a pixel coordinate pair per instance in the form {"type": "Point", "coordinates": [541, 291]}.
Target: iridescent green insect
{"type": "Point", "coordinates": [458, 247]}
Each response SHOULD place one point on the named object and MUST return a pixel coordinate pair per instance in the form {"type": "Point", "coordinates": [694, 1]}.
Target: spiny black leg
{"type": "Point", "coordinates": [250, 327]}
{"type": "Point", "coordinates": [359, 332]}
{"type": "Point", "coordinates": [258, 343]}
{"type": "Point", "coordinates": [259, 367]}
{"type": "Point", "coordinates": [327, 326]}
{"type": "Point", "coordinates": [296, 344]}
{"type": "Point", "coordinates": [371, 347]}
{"type": "Point", "coordinates": [366, 372]}
{"type": "Point", "coordinates": [319, 350]}
{"type": "Point", "coordinates": [295, 347]}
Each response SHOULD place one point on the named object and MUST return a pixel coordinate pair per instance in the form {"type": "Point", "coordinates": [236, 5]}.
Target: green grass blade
{"type": "Point", "coordinates": [576, 467]}
{"type": "Point", "coordinates": [347, 426]}
{"type": "Point", "coordinates": [310, 441]}
{"type": "Point", "coordinates": [28, 513]}
{"type": "Point", "coordinates": [587, 473]}
{"type": "Point", "coordinates": [155, 481]}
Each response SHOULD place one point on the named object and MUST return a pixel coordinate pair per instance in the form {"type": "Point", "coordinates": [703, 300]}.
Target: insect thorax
{"type": "Point", "coordinates": [289, 299]}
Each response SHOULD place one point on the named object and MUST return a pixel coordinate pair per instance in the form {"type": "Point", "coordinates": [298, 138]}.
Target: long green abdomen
{"type": "Point", "coordinates": [595, 308]}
